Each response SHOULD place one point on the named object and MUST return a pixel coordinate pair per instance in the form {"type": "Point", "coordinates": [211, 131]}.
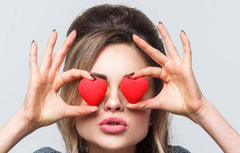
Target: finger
{"type": "Point", "coordinates": [170, 47]}
{"type": "Point", "coordinates": [82, 110]}
{"type": "Point", "coordinates": [187, 53]}
{"type": "Point", "coordinates": [155, 72]}
{"type": "Point", "coordinates": [155, 54]}
{"type": "Point", "coordinates": [71, 75]}
{"type": "Point", "coordinates": [33, 58]}
{"type": "Point", "coordinates": [144, 104]}
{"type": "Point", "coordinates": [61, 53]}
{"type": "Point", "coordinates": [47, 57]}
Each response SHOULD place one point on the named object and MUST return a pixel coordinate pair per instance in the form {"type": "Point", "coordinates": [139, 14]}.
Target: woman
{"type": "Point", "coordinates": [114, 42]}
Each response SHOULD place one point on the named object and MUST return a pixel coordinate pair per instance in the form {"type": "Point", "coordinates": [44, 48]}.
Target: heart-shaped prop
{"type": "Point", "coordinates": [133, 89]}
{"type": "Point", "coordinates": [92, 91]}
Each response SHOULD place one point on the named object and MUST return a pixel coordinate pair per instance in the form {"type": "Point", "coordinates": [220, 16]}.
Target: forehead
{"type": "Point", "coordinates": [119, 58]}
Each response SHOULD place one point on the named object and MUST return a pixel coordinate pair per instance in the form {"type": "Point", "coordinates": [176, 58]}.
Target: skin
{"type": "Point", "coordinates": [116, 61]}
{"type": "Point", "coordinates": [180, 95]}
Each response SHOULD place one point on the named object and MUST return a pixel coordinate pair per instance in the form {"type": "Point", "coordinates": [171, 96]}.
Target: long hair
{"type": "Point", "coordinates": [96, 28]}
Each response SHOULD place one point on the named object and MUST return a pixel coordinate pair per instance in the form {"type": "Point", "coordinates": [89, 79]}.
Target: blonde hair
{"type": "Point", "coordinates": [82, 56]}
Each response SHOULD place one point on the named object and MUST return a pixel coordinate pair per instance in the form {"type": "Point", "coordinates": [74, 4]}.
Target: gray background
{"type": "Point", "coordinates": [212, 27]}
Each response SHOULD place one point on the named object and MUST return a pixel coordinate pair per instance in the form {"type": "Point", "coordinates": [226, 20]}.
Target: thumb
{"type": "Point", "coordinates": [145, 104]}
{"type": "Point", "coordinates": [141, 105]}
{"type": "Point", "coordinates": [82, 110]}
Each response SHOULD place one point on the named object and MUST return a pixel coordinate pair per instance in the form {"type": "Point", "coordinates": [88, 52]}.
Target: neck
{"type": "Point", "coordinates": [93, 148]}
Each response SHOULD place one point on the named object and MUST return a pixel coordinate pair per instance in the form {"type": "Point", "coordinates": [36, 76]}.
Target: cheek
{"type": "Point", "coordinates": [84, 125]}
{"type": "Point", "coordinates": [139, 125]}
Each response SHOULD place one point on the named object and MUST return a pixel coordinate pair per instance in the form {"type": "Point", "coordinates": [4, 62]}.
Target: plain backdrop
{"type": "Point", "coordinates": [211, 25]}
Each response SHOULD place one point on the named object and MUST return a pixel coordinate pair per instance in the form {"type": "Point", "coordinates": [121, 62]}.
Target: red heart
{"type": "Point", "coordinates": [133, 89]}
{"type": "Point", "coordinates": [92, 91]}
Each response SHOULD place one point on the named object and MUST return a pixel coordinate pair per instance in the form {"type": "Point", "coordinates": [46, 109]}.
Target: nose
{"type": "Point", "coordinates": [113, 103]}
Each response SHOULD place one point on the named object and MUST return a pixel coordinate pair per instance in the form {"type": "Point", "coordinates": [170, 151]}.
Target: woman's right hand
{"type": "Point", "coordinates": [43, 105]}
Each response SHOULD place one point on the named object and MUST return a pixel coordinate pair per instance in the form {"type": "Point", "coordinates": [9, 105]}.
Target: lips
{"type": "Point", "coordinates": [113, 125]}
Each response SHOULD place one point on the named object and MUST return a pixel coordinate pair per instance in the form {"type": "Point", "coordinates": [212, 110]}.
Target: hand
{"type": "Point", "coordinates": [180, 93]}
{"type": "Point", "coordinates": [43, 105]}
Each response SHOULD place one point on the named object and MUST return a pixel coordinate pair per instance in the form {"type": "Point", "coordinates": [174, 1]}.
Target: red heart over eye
{"type": "Point", "coordinates": [133, 89]}
{"type": "Point", "coordinates": [92, 91]}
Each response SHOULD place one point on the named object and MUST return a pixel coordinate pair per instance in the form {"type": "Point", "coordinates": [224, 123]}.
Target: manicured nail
{"type": "Point", "coordinates": [160, 22]}
{"type": "Point", "coordinates": [32, 42]}
{"type": "Point", "coordinates": [184, 32]}
{"type": "Point", "coordinates": [94, 78]}
{"type": "Point", "coordinates": [130, 75]}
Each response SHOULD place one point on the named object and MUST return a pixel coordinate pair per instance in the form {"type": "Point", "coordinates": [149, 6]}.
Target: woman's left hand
{"type": "Point", "coordinates": [180, 93]}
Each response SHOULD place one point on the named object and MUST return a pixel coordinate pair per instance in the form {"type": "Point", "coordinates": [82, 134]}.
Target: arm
{"type": "Point", "coordinates": [14, 130]}
{"type": "Point", "coordinates": [42, 104]}
{"type": "Point", "coordinates": [210, 119]}
{"type": "Point", "coordinates": [180, 93]}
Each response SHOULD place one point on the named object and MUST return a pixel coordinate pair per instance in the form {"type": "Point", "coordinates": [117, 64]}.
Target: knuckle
{"type": "Point", "coordinates": [73, 70]}
{"type": "Point", "coordinates": [66, 45]}
{"type": "Point", "coordinates": [186, 42]}
{"type": "Point", "coordinates": [60, 55]}
{"type": "Point", "coordinates": [153, 53]}
{"type": "Point", "coordinates": [144, 46]}
{"type": "Point", "coordinates": [149, 69]}
{"type": "Point", "coordinates": [51, 45]}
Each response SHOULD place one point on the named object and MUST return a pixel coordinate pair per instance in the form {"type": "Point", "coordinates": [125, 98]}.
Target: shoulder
{"type": "Point", "coordinates": [46, 150]}
{"type": "Point", "coordinates": [177, 149]}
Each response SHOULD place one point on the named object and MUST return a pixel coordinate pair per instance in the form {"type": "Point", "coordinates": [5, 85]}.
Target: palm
{"type": "Point", "coordinates": [171, 94]}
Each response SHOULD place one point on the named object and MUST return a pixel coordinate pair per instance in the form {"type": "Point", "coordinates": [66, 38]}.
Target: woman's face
{"type": "Point", "coordinates": [114, 62]}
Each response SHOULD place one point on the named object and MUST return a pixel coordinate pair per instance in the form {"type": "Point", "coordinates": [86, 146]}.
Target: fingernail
{"type": "Point", "coordinates": [53, 30]}
{"type": "Point", "coordinates": [32, 42]}
{"type": "Point", "coordinates": [94, 78]}
{"type": "Point", "coordinates": [130, 75]}
{"type": "Point", "coordinates": [160, 22]}
{"type": "Point", "coordinates": [184, 32]}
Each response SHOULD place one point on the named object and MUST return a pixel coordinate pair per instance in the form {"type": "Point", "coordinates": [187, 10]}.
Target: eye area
{"type": "Point", "coordinates": [134, 89]}
{"type": "Point", "coordinates": [93, 91]}
{"type": "Point", "coordinates": [102, 76]}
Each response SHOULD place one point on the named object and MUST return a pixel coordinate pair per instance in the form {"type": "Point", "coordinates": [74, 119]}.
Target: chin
{"type": "Point", "coordinates": [113, 142]}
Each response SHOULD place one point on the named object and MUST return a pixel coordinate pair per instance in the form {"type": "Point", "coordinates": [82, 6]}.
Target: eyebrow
{"type": "Point", "coordinates": [103, 76]}
{"type": "Point", "coordinates": [100, 75]}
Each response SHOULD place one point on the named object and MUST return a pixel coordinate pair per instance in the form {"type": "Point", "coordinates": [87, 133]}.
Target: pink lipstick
{"type": "Point", "coordinates": [113, 125]}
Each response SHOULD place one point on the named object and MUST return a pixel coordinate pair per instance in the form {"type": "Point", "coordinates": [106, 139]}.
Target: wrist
{"type": "Point", "coordinates": [26, 121]}
{"type": "Point", "coordinates": [202, 111]}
